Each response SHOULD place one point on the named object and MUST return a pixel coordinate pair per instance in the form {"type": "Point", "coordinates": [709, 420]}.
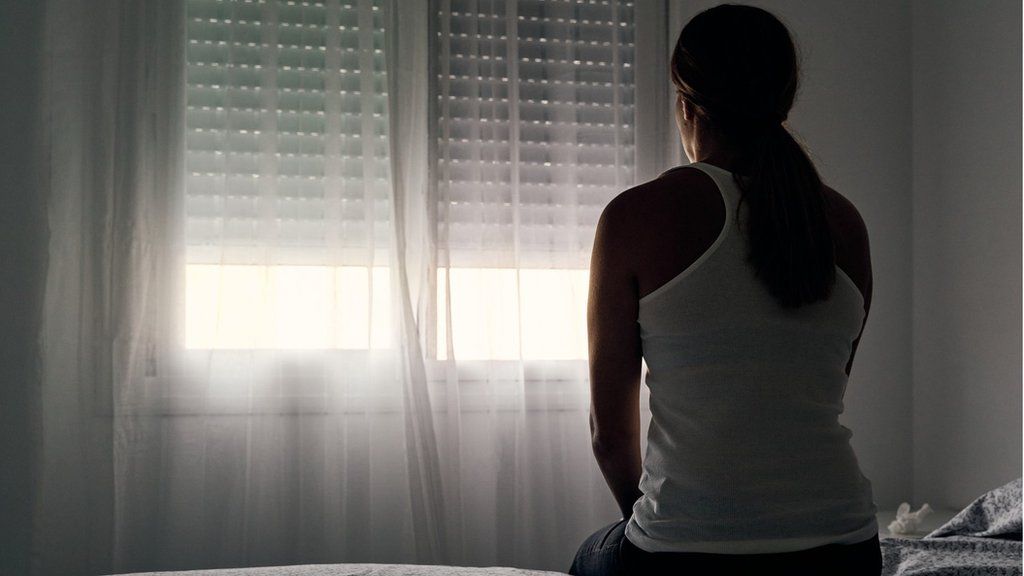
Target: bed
{"type": "Point", "coordinates": [356, 570]}
{"type": "Point", "coordinates": [983, 539]}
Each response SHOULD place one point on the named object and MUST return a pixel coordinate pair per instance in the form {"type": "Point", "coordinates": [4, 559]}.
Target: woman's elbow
{"type": "Point", "coordinates": [606, 446]}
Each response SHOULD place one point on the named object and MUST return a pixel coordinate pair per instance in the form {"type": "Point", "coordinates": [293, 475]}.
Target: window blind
{"type": "Point", "coordinates": [535, 127]}
{"type": "Point", "coordinates": [287, 153]}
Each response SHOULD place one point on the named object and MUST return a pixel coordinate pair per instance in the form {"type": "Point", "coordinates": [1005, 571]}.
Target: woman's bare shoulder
{"type": "Point", "coordinates": [643, 216]}
{"type": "Point", "coordinates": [654, 196]}
{"type": "Point", "coordinates": [657, 228]}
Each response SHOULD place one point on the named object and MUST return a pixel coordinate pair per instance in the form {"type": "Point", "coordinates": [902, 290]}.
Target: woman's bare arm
{"type": "Point", "coordinates": [864, 282]}
{"type": "Point", "coordinates": [853, 253]}
{"type": "Point", "coordinates": [615, 358]}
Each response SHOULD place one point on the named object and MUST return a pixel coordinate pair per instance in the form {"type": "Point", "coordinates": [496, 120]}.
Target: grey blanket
{"type": "Point", "coordinates": [983, 539]}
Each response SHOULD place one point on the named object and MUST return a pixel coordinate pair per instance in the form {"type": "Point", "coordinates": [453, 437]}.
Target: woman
{"type": "Point", "coordinates": [744, 282]}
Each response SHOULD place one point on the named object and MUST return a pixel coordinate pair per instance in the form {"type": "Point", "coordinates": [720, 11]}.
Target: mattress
{"type": "Point", "coordinates": [355, 570]}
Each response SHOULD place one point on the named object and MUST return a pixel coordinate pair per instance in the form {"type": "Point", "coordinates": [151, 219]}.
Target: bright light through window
{"type": "Point", "coordinates": [498, 314]}
{"type": "Point", "coordinates": [547, 321]}
{"type": "Point", "coordinates": [286, 307]}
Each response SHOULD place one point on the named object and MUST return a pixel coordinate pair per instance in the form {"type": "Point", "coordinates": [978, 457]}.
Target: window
{"type": "Point", "coordinates": [535, 136]}
{"type": "Point", "coordinates": [287, 194]}
{"type": "Point", "coordinates": [287, 199]}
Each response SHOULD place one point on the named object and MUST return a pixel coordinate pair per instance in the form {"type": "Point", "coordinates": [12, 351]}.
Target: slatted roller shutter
{"type": "Point", "coordinates": [535, 127]}
{"type": "Point", "coordinates": [287, 152]}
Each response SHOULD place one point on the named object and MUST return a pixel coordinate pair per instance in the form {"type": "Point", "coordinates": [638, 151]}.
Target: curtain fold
{"type": "Point", "coordinates": [316, 279]}
{"type": "Point", "coordinates": [114, 110]}
{"type": "Point", "coordinates": [413, 249]}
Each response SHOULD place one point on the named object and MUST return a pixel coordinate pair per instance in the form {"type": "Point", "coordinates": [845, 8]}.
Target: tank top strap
{"type": "Point", "coordinates": [729, 191]}
{"type": "Point", "coordinates": [724, 179]}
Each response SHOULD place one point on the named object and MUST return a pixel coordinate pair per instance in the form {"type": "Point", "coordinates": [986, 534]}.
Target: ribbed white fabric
{"type": "Point", "coordinates": [745, 452]}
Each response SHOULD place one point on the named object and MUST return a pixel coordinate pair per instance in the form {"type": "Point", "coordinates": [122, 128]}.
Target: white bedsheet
{"type": "Point", "coordinates": [355, 570]}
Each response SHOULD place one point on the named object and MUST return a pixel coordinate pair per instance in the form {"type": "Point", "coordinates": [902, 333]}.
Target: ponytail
{"type": "Point", "coordinates": [790, 242]}
{"type": "Point", "coordinates": [737, 66]}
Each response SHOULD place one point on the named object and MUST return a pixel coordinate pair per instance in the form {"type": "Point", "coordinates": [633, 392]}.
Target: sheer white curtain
{"type": "Point", "coordinates": [317, 277]}
{"type": "Point", "coordinates": [111, 162]}
{"type": "Point", "coordinates": [535, 134]}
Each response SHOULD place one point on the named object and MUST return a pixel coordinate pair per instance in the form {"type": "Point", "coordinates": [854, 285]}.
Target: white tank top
{"type": "Point", "coordinates": [745, 453]}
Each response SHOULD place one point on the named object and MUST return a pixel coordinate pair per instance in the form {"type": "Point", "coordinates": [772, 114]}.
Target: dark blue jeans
{"type": "Point", "coordinates": [608, 552]}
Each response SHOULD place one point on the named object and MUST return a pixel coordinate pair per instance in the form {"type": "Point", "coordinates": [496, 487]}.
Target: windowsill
{"type": "Point", "coordinates": [248, 382]}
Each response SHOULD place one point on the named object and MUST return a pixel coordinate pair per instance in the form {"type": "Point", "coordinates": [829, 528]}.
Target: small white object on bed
{"type": "Point", "coordinates": [908, 522]}
{"type": "Point", "coordinates": [924, 524]}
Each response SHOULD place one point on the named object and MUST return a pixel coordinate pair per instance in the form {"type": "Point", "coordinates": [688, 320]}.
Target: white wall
{"type": "Point", "coordinates": [967, 248]}
{"type": "Point", "coordinates": [23, 262]}
{"type": "Point", "coordinates": [853, 114]}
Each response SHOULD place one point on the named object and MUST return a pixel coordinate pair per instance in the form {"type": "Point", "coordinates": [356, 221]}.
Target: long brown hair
{"type": "Point", "coordinates": [737, 65]}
